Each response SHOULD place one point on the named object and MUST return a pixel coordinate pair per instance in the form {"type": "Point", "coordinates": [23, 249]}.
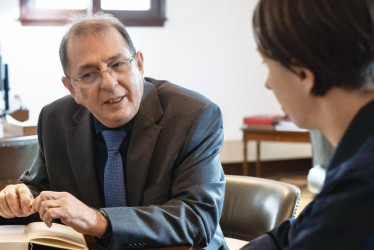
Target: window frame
{"type": "Point", "coordinates": [29, 15]}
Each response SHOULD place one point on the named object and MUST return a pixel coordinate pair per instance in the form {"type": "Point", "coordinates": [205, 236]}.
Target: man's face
{"type": "Point", "coordinates": [115, 99]}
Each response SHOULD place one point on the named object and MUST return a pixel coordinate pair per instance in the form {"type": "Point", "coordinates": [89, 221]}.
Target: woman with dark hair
{"type": "Point", "coordinates": [320, 55]}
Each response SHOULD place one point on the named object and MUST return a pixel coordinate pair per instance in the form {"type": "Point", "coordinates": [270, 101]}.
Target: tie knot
{"type": "Point", "coordinates": [113, 138]}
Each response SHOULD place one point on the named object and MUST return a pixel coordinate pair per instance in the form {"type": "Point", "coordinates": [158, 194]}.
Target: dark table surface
{"type": "Point", "coordinates": [91, 243]}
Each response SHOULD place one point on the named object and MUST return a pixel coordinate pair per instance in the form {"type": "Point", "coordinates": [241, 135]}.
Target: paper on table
{"type": "Point", "coordinates": [288, 126]}
{"type": "Point", "coordinates": [13, 237]}
{"type": "Point", "coordinates": [17, 237]}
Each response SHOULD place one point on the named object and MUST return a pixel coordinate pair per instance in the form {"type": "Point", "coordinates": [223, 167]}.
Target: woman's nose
{"type": "Point", "coordinates": [267, 84]}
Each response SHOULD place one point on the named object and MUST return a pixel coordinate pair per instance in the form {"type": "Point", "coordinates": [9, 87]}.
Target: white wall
{"type": "Point", "coordinates": [205, 45]}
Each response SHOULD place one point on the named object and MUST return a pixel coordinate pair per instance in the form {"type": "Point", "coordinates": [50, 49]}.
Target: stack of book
{"type": "Point", "coordinates": [263, 121]}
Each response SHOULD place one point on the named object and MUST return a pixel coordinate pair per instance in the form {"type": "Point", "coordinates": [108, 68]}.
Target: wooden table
{"type": "Point", "coordinates": [268, 134]}
{"type": "Point", "coordinates": [91, 243]}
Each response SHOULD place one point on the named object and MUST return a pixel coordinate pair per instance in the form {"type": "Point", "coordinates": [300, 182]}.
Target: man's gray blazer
{"type": "Point", "coordinates": [174, 179]}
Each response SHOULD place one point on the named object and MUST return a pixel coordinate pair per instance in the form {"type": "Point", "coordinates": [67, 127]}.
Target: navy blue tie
{"type": "Point", "coordinates": [114, 183]}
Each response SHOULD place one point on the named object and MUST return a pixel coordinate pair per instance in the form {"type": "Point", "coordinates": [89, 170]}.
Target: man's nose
{"type": "Point", "coordinates": [108, 79]}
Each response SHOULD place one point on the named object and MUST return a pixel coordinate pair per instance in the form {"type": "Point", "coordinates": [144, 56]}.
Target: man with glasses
{"type": "Point", "coordinates": [131, 160]}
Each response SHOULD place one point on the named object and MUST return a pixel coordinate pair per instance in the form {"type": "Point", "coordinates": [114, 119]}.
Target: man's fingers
{"type": "Point", "coordinates": [12, 199]}
{"type": "Point", "coordinates": [4, 207]}
{"type": "Point", "coordinates": [25, 199]}
{"type": "Point", "coordinates": [42, 197]}
{"type": "Point", "coordinates": [49, 212]}
{"type": "Point", "coordinates": [48, 216]}
{"type": "Point", "coordinates": [15, 201]}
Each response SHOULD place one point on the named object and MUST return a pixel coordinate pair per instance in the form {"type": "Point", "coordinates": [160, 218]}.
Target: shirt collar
{"type": "Point", "coordinates": [100, 127]}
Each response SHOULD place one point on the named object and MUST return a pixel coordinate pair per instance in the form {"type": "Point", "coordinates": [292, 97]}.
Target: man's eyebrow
{"type": "Point", "coordinates": [86, 66]}
{"type": "Point", "coordinates": [92, 65]}
{"type": "Point", "coordinates": [116, 56]}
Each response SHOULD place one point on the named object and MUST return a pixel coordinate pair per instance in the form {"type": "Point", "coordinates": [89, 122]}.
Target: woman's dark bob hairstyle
{"type": "Point", "coordinates": [334, 39]}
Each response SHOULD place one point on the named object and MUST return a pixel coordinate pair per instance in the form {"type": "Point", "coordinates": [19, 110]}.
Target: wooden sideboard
{"type": "Point", "coordinates": [266, 134]}
{"type": "Point", "coordinates": [17, 124]}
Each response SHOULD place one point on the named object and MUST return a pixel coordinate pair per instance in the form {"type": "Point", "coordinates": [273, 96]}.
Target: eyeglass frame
{"type": "Point", "coordinates": [108, 69]}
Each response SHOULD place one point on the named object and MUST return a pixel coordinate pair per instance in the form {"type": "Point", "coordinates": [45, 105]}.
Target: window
{"type": "Point", "coordinates": [57, 12]}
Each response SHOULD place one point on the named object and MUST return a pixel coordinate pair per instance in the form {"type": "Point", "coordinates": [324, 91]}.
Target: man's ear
{"type": "Point", "coordinates": [140, 61]}
{"type": "Point", "coordinates": [67, 83]}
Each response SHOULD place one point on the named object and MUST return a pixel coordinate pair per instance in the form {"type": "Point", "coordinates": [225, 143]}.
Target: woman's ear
{"type": "Point", "coordinates": [302, 74]}
{"type": "Point", "coordinates": [306, 77]}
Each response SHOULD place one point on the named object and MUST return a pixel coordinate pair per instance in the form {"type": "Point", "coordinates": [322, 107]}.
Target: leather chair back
{"type": "Point", "coordinates": [255, 205]}
{"type": "Point", "coordinates": [16, 156]}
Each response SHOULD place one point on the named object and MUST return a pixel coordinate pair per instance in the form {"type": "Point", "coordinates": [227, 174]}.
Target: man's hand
{"type": "Point", "coordinates": [71, 211]}
{"type": "Point", "coordinates": [15, 201]}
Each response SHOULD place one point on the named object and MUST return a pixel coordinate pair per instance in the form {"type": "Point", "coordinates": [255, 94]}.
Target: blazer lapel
{"type": "Point", "coordinates": [81, 155]}
{"type": "Point", "coordinates": [142, 143]}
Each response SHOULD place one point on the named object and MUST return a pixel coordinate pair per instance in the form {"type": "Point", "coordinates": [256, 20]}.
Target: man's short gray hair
{"type": "Point", "coordinates": [83, 25]}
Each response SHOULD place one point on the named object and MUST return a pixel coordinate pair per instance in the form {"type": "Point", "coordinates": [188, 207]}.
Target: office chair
{"type": "Point", "coordinates": [255, 205]}
{"type": "Point", "coordinates": [16, 156]}
{"type": "Point", "coordinates": [322, 152]}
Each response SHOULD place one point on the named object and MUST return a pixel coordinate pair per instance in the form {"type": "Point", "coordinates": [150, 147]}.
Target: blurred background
{"type": "Point", "coordinates": [206, 46]}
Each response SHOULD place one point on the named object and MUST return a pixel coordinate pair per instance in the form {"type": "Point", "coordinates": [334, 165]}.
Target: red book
{"type": "Point", "coordinates": [263, 120]}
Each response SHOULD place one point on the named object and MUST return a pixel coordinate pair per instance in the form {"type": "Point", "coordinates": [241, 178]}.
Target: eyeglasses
{"type": "Point", "coordinates": [116, 69]}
